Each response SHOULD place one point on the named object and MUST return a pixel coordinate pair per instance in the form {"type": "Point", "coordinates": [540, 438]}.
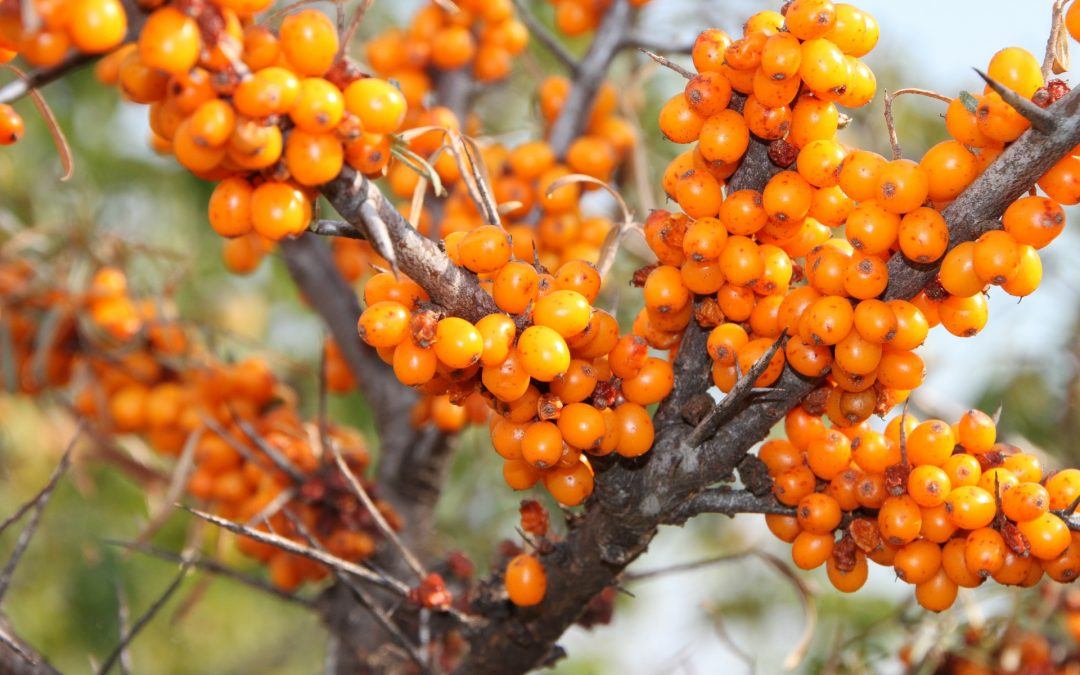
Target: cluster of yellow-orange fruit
{"type": "Point", "coordinates": [751, 248]}
{"type": "Point", "coordinates": [131, 370]}
{"type": "Point", "coordinates": [561, 381]}
{"type": "Point", "coordinates": [946, 506]}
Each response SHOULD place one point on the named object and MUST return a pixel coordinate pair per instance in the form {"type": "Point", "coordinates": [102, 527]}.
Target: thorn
{"type": "Point", "coordinates": [997, 413]}
{"type": "Point", "coordinates": [1042, 120]}
{"type": "Point", "coordinates": [667, 63]}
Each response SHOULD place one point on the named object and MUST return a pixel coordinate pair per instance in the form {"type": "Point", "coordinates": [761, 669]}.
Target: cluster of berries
{"type": "Point", "coordinates": [131, 370]}
{"type": "Point", "coordinates": [946, 506]}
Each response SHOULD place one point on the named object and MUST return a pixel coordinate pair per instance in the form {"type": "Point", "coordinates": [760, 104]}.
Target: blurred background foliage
{"type": "Point", "coordinates": [151, 213]}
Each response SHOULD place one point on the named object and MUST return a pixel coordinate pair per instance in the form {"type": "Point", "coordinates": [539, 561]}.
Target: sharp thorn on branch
{"type": "Point", "coordinates": [667, 63]}
{"type": "Point", "coordinates": [1041, 119]}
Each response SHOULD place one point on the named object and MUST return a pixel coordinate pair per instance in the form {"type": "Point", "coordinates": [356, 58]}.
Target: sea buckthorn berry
{"type": "Point", "coordinates": [867, 276]}
{"type": "Point", "coordinates": [754, 350]}
{"type": "Point", "coordinates": [1017, 69]}
{"type": "Point", "coordinates": [705, 239]}
{"type": "Point", "coordinates": [414, 365]}
{"type": "Point", "coordinates": [899, 520]}
{"type": "Point", "coordinates": [1064, 488]}
{"type": "Point", "coordinates": [871, 228]}
{"type": "Point", "coordinates": [784, 528]}
{"type": "Point", "coordinates": [818, 513]}
{"type": "Point", "coordinates": [829, 320]}
{"type": "Point", "coordinates": [485, 249]}
{"type": "Point", "coordinates": [319, 106]}
{"type": "Point", "coordinates": [279, 210]}
{"type": "Point", "coordinates": [950, 168]}
{"type": "Point", "coordinates": [724, 137]}
{"type": "Point", "coordinates": [902, 186]}
{"type": "Point", "coordinates": [507, 381]}
{"type": "Point", "coordinates": [582, 425]}
{"type": "Point", "coordinates": [998, 120]}
{"type": "Point", "coordinates": [810, 551]}
{"type": "Point", "coordinates": [1047, 534]}
{"type": "Point", "coordinates": [812, 119]}
{"type": "Point", "coordinates": [829, 454]}
{"type": "Point", "coordinates": [542, 445]}
{"type": "Point", "coordinates": [958, 275]}
{"type": "Point", "coordinates": [859, 173]}
{"type": "Point", "coordinates": [787, 197]}
{"type": "Point", "coordinates": [819, 162]}
{"type": "Point", "coordinates": [458, 344]}
{"type": "Point", "coordinates": [873, 452]}
{"type": "Point", "coordinates": [1026, 501]}
{"type": "Point", "coordinates": [937, 594]}
{"type": "Point", "coordinates": [544, 353]}
{"type": "Point", "coordinates": [516, 286]}
{"type": "Point", "coordinates": [170, 41]}
{"type": "Point", "coordinates": [96, 26]}
{"type": "Point", "coordinates": [519, 474]}
{"type": "Point", "coordinates": [309, 41]}
{"type": "Point", "coordinates": [930, 443]}
{"type": "Point", "coordinates": [779, 455]}
{"type": "Point", "coordinates": [911, 325]}
{"type": "Point", "coordinates": [962, 469]}
{"type": "Point", "coordinates": [971, 507]}
{"type": "Point", "coordinates": [743, 213]}
{"type": "Point", "coordinates": [822, 67]}
{"type": "Point", "coordinates": [570, 485]}
{"type": "Point", "coordinates": [996, 257]}
{"type": "Point", "coordinates": [230, 207]}
{"type": "Point", "coordinates": [699, 194]}
{"type": "Point", "coordinates": [384, 324]}
{"type": "Point", "coordinates": [1035, 221]}
{"type": "Point", "coordinates": [740, 263]}
{"type": "Point", "coordinates": [984, 551]}
{"type": "Point", "coordinates": [1028, 276]}
{"type": "Point", "coordinates": [313, 159]}
{"type": "Point", "coordinates": [964, 317]}
{"type": "Point", "coordinates": [635, 430]}
{"type": "Point", "coordinates": [917, 562]}
{"type": "Point", "coordinates": [12, 126]}
{"type": "Point", "coordinates": [270, 91]}
{"type": "Point", "coordinates": [937, 527]}
{"type": "Point", "coordinates": [580, 276]}
{"type": "Point", "coordinates": [525, 580]}
{"type": "Point", "coordinates": [923, 236]}
{"type": "Point", "coordinates": [380, 105]}
{"type": "Point", "coordinates": [1066, 567]}
{"type": "Point", "coordinates": [652, 384]}
{"type": "Point", "coordinates": [1062, 182]}
{"type": "Point", "coordinates": [497, 332]}
{"type": "Point", "coordinates": [708, 50]}
{"type": "Point", "coordinates": [566, 312]}
{"type": "Point", "coordinates": [1024, 466]}
{"type": "Point", "coordinates": [708, 93]}
{"type": "Point", "coordinates": [808, 19]}
{"type": "Point", "coordinates": [875, 321]}
{"type": "Point", "coordinates": [679, 122]}
{"type": "Point", "coordinates": [928, 485]}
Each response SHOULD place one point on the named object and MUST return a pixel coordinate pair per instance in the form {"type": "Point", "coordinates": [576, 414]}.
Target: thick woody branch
{"type": "Point", "coordinates": [980, 206]}
{"type": "Point", "coordinates": [448, 285]}
{"type": "Point", "coordinates": [590, 74]}
{"type": "Point", "coordinates": [19, 658]}
{"type": "Point", "coordinates": [729, 503]}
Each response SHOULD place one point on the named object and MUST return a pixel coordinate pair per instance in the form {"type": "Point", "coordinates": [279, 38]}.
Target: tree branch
{"type": "Point", "coordinates": [729, 503]}
{"type": "Point", "coordinates": [590, 74]}
{"type": "Point", "coordinates": [448, 285]}
{"type": "Point", "coordinates": [550, 41]}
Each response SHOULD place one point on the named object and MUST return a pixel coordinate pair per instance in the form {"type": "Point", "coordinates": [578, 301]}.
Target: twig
{"type": "Point", "coordinates": [1057, 26]}
{"type": "Point", "coordinates": [123, 616]}
{"type": "Point", "coordinates": [552, 43]}
{"type": "Point", "coordinates": [735, 399]}
{"type": "Point", "coordinates": [16, 89]}
{"type": "Point", "coordinates": [667, 63]}
{"type": "Point", "coordinates": [280, 461]}
{"type": "Point", "coordinates": [354, 23]}
{"type": "Point", "coordinates": [1041, 119]}
{"type": "Point", "coordinates": [728, 502]}
{"type": "Point", "coordinates": [376, 515]}
{"type": "Point", "coordinates": [331, 561]}
{"type": "Point", "coordinates": [685, 567]}
{"type": "Point", "coordinates": [890, 123]}
{"type": "Point", "coordinates": [181, 473]}
{"type": "Point", "coordinates": [366, 600]}
{"type": "Point", "coordinates": [145, 619]}
{"type": "Point", "coordinates": [12, 644]}
{"type": "Point", "coordinates": [215, 568]}
{"type": "Point", "coordinates": [40, 501]}
{"type": "Point", "coordinates": [46, 491]}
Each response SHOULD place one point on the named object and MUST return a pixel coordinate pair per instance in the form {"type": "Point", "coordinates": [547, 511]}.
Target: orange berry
{"type": "Point", "coordinates": [918, 562]}
{"type": "Point", "coordinates": [170, 41]}
{"type": "Point", "coordinates": [279, 210]}
{"type": "Point", "coordinates": [458, 343]}
{"type": "Point", "coordinates": [525, 580]}
{"type": "Point", "coordinates": [380, 105]}
{"type": "Point", "coordinates": [544, 354]}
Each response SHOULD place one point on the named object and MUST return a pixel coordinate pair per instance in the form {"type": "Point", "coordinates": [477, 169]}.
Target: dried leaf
{"type": "Point", "coordinates": [420, 166]}
{"type": "Point", "coordinates": [59, 139]}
